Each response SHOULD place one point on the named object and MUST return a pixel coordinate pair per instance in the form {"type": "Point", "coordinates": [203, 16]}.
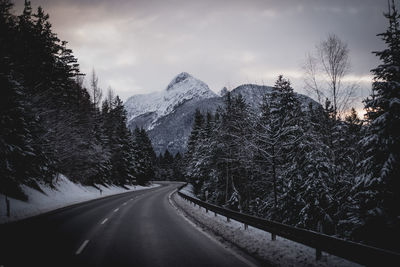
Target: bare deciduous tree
{"type": "Point", "coordinates": [325, 73]}
{"type": "Point", "coordinates": [110, 97]}
{"type": "Point", "coordinates": [310, 79]}
{"type": "Point", "coordinates": [95, 91]}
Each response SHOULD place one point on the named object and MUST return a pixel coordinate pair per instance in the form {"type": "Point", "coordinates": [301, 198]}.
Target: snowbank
{"type": "Point", "coordinates": [64, 194]}
{"type": "Point", "coordinates": [188, 190]}
{"type": "Point", "coordinates": [281, 252]}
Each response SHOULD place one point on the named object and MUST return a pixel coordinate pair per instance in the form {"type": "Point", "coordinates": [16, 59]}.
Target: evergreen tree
{"type": "Point", "coordinates": [377, 214]}
{"type": "Point", "coordinates": [197, 125]}
{"type": "Point", "coordinates": [22, 161]}
{"type": "Point", "coordinates": [49, 125]}
{"type": "Point", "coordinates": [121, 151]}
{"type": "Point", "coordinates": [193, 143]}
{"type": "Point", "coordinates": [307, 197]}
{"type": "Point", "coordinates": [145, 157]}
{"type": "Point", "coordinates": [274, 138]}
{"type": "Point", "coordinates": [168, 158]}
{"type": "Point", "coordinates": [177, 171]}
{"type": "Point", "coordinates": [233, 152]}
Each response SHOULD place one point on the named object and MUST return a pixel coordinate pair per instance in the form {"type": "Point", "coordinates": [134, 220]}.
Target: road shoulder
{"type": "Point", "coordinates": [236, 251]}
{"type": "Point", "coordinates": [252, 241]}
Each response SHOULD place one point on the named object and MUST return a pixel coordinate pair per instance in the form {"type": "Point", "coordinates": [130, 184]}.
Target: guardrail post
{"type": "Point", "coordinates": [273, 236]}
{"type": "Point", "coordinates": [245, 226]}
{"type": "Point", "coordinates": [206, 210]}
{"type": "Point", "coordinates": [8, 206]}
{"type": "Point", "coordinates": [318, 254]}
{"type": "Point", "coordinates": [215, 214]}
{"type": "Point", "coordinates": [227, 219]}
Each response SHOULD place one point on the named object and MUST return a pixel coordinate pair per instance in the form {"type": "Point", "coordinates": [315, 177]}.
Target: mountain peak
{"type": "Point", "coordinates": [151, 107]}
{"type": "Point", "coordinates": [179, 78]}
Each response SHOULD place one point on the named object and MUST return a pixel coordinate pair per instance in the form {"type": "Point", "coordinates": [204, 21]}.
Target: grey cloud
{"type": "Point", "coordinates": [138, 46]}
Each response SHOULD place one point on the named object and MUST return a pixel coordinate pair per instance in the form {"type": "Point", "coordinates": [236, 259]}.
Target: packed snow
{"type": "Point", "coordinates": [64, 194]}
{"type": "Point", "coordinates": [256, 242]}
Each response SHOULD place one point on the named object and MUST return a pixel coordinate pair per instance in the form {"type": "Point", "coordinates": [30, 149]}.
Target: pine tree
{"type": "Point", "coordinates": [23, 162]}
{"type": "Point", "coordinates": [197, 125]}
{"type": "Point", "coordinates": [121, 152]}
{"type": "Point", "coordinates": [190, 155]}
{"type": "Point", "coordinates": [274, 138]}
{"type": "Point", "coordinates": [235, 157]}
{"type": "Point", "coordinates": [378, 192]}
{"type": "Point", "coordinates": [145, 157]}
{"type": "Point", "coordinates": [352, 134]}
{"type": "Point", "coordinates": [307, 197]}
{"type": "Point", "coordinates": [177, 168]}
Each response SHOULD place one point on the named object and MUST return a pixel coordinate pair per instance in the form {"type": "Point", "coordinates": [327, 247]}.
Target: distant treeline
{"type": "Point", "coordinates": [168, 167]}
{"type": "Point", "coordinates": [49, 123]}
{"type": "Point", "coordinates": [307, 167]}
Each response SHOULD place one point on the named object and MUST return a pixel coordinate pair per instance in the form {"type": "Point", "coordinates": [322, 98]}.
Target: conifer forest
{"type": "Point", "coordinates": [312, 162]}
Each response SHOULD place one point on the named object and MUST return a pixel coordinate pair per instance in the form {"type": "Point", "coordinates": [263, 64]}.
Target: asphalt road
{"type": "Point", "coordinates": [132, 229]}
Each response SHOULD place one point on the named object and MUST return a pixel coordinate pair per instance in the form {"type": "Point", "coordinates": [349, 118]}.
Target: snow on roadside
{"type": "Point", "coordinates": [64, 194]}
{"type": "Point", "coordinates": [188, 190]}
{"type": "Point", "coordinates": [281, 252]}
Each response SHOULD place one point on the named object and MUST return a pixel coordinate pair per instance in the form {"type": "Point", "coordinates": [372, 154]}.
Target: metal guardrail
{"type": "Point", "coordinates": [359, 253]}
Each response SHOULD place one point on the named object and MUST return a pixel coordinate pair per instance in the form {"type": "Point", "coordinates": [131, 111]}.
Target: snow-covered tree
{"type": "Point", "coordinates": [307, 196]}
{"type": "Point", "coordinates": [144, 157]}
{"type": "Point", "coordinates": [275, 134]}
{"type": "Point", "coordinates": [376, 217]}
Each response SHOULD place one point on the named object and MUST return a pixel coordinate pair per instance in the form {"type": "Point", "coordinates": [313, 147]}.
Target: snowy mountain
{"type": "Point", "coordinates": [168, 115]}
{"type": "Point", "coordinates": [145, 110]}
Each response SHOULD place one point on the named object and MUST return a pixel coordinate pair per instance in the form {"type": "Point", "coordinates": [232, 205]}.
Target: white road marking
{"type": "Point", "coordinates": [82, 247]}
{"type": "Point", "coordinates": [117, 209]}
{"type": "Point", "coordinates": [103, 222]}
{"type": "Point", "coordinates": [124, 204]}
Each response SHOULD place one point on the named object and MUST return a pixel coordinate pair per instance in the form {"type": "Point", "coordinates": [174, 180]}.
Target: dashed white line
{"type": "Point", "coordinates": [124, 204]}
{"type": "Point", "coordinates": [117, 209]}
{"type": "Point", "coordinates": [82, 247]}
{"type": "Point", "coordinates": [130, 199]}
{"type": "Point", "coordinates": [103, 222]}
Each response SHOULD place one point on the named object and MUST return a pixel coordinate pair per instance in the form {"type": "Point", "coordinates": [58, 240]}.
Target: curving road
{"type": "Point", "coordinates": [133, 229]}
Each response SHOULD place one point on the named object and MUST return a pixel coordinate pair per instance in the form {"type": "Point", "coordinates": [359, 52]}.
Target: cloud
{"type": "Point", "coordinates": [139, 46]}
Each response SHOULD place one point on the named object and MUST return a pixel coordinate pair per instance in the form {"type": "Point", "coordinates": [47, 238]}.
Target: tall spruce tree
{"type": "Point", "coordinates": [377, 214]}
{"type": "Point", "coordinates": [307, 197]}
{"type": "Point", "coordinates": [145, 157]}
{"type": "Point", "coordinates": [274, 138]}
{"type": "Point", "coordinates": [190, 155]}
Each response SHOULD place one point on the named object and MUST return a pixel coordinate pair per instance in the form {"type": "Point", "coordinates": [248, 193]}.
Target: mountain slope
{"type": "Point", "coordinates": [168, 115]}
{"type": "Point", "coordinates": [172, 131]}
{"type": "Point", "coordinates": [146, 109]}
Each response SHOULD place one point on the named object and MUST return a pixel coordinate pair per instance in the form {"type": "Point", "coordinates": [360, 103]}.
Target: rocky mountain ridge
{"type": "Point", "coordinates": [168, 115]}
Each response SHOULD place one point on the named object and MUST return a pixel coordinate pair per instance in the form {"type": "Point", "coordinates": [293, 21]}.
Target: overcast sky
{"type": "Point", "coordinates": [139, 46]}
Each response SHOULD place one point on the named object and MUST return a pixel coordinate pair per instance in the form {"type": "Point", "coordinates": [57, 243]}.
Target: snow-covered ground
{"type": "Point", "coordinates": [281, 252]}
{"type": "Point", "coordinates": [188, 190]}
{"type": "Point", "coordinates": [64, 194]}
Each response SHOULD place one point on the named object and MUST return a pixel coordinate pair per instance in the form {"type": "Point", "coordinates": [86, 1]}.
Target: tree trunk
{"type": "Point", "coordinates": [274, 176]}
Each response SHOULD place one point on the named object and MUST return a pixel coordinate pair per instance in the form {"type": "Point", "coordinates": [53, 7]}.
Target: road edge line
{"type": "Point", "coordinates": [212, 238]}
